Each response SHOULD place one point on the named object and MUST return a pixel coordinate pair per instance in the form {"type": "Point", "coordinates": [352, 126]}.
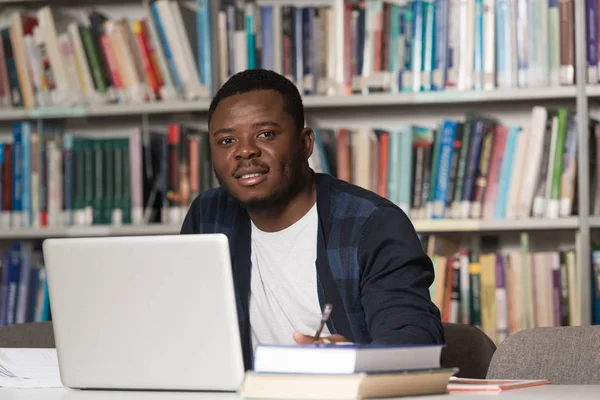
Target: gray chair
{"type": "Point", "coordinates": [564, 355]}
{"type": "Point", "coordinates": [33, 335]}
{"type": "Point", "coordinates": [467, 348]}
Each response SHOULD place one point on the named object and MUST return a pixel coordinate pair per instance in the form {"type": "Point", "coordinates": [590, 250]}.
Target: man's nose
{"type": "Point", "coordinates": [247, 149]}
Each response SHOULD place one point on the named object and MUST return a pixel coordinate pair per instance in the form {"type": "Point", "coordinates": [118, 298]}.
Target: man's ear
{"type": "Point", "coordinates": [307, 140]}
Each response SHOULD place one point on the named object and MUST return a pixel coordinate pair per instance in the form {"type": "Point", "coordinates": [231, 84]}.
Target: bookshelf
{"type": "Point", "coordinates": [510, 106]}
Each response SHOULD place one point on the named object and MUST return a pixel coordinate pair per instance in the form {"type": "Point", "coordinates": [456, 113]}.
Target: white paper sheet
{"type": "Point", "coordinates": [29, 368]}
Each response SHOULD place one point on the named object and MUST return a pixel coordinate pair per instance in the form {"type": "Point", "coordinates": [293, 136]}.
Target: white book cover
{"type": "Point", "coordinates": [516, 293]}
{"type": "Point", "coordinates": [360, 144]}
{"type": "Point", "coordinates": [35, 63]}
{"type": "Point", "coordinates": [369, 46]}
{"type": "Point", "coordinates": [540, 70]}
{"type": "Point", "coordinates": [338, 16]}
{"type": "Point", "coordinates": [553, 43]}
{"type": "Point", "coordinates": [454, 43]}
{"type": "Point", "coordinates": [332, 53]}
{"type": "Point", "coordinates": [167, 91]}
{"type": "Point", "coordinates": [177, 45]}
{"type": "Point", "coordinates": [467, 41]}
{"type": "Point", "coordinates": [21, 59]}
{"type": "Point", "coordinates": [532, 165]}
{"type": "Point", "coordinates": [66, 52]}
{"type": "Point", "coordinates": [489, 44]}
{"type": "Point", "coordinates": [514, 59]}
{"type": "Point", "coordinates": [522, 43]}
{"type": "Point", "coordinates": [223, 51]}
{"type": "Point", "coordinates": [136, 172]}
{"type": "Point", "coordinates": [194, 89]}
{"type": "Point", "coordinates": [83, 68]}
{"type": "Point", "coordinates": [47, 33]}
{"type": "Point", "coordinates": [417, 45]}
{"type": "Point", "coordinates": [277, 39]}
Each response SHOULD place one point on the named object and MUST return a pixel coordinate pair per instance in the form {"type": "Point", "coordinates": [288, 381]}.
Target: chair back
{"type": "Point", "coordinates": [467, 348]}
{"type": "Point", "coordinates": [32, 335]}
{"type": "Point", "coordinates": [564, 355]}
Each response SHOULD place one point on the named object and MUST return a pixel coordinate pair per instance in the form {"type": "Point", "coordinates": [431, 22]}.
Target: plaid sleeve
{"type": "Point", "coordinates": [395, 277]}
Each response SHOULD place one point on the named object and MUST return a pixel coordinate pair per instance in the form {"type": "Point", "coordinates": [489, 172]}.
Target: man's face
{"type": "Point", "coordinates": [257, 153]}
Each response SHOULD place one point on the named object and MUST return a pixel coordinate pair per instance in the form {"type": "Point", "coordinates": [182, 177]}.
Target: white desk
{"type": "Point", "coordinates": [548, 392]}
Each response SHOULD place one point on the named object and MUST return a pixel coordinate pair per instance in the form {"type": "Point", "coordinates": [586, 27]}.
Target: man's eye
{"type": "Point", "coordinates": [226, 141]}
{"type": "Point", "coordinates": [266, 134]}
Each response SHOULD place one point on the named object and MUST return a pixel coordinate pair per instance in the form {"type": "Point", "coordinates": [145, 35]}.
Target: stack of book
{"type": "Point", "coordinates": [346, 371]}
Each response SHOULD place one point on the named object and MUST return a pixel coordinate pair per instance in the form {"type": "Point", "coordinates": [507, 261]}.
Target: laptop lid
{"type": "Point", "coordinates": [145, 312]}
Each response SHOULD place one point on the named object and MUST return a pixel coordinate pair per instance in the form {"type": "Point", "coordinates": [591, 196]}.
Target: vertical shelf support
{"type": "Point", "coordinates": [584, 249]}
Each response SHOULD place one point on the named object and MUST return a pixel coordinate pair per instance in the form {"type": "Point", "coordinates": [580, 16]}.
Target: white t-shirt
{"type": "Point", "coordinates": [283, 288]}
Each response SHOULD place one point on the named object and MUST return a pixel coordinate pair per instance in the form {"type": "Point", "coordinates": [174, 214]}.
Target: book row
{"type": "Point", "coordinates": [474, 168]}
{"type": "Point", "coordinates": [422, 45]}
{"type": "Point", "coordinates": [103, 60]}
{"type": "Point", "coordinates": [52, 178]}
{"type": "Point", "coordinates": [49, 58]}
{"type": "Point", "coordinates": [504, 292]}
{"type": "Point", "coordinates": [23, 285]}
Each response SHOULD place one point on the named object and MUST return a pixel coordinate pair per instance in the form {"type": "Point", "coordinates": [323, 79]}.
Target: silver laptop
{"type": "Point", "coordinates": [145, 312]}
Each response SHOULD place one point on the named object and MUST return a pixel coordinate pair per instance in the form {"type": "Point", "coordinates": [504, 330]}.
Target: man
{"type": "Point", "coordinates": [300, 240]}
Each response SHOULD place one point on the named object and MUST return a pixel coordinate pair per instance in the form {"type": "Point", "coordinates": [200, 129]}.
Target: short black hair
{"type": "Point", "coordinates": [262, 79]}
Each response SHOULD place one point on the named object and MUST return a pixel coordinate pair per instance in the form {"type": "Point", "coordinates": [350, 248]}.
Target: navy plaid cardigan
{"type": "Point", "coordinates": [370, 264]}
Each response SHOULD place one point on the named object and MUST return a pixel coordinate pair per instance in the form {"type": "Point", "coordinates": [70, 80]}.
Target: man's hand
{"type": "Point", "coordinates": [306, 339]}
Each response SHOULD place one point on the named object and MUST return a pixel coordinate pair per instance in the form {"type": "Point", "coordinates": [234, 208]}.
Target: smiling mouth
{"type": "Point", "coordinates": [252, 179]}
{"type": "Point", "coordinates": [248, 176]}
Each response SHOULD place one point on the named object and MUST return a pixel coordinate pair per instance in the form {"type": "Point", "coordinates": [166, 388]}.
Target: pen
{"type": "Point", "coordinates": [324, 317]}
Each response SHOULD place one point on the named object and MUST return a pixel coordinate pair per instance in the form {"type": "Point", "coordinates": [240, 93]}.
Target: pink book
{"type": "Point", "coordinates": [491, 193]}
{"type": "Point", "coordinates": [491, 385]}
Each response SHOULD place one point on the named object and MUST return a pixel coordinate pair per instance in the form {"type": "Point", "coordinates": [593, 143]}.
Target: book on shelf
{"type": "Point", "coordinates": [474, 168]}
{"type": "Point", "coordinates": [52, 58]}
{"type": "Point", "coordinates": [23, 286]}
{"type": "Point", "coordinates": [504, 291]}
{"type": "Point", "coordinates": [55, 178]}
{"type": "Point", "coordinates": [595, 281]}
{"type": "Point", "coordinates": [361, 47]}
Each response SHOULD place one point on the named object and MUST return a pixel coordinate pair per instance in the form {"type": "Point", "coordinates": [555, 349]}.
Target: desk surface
{"type": "Point", "coordinates": [548, 392]}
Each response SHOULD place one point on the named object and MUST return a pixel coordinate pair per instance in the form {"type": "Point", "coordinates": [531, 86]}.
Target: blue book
{"type": "Point", "coordinates": [268, 52]}
{"type": "Point", "coordinates": [478, 57]}
{"type": "Point", "coordinates": [443, 172]}
{"type": "Point", "coordinates": [204, 44]}
{"type": "Point", "coordinates": [17, 172]}
{"type": "Point", "coordinates": [26, 195]}
{"type": "Point", "coordinates": [250, 36]}
{"type": "Point", "coordinates": [441, 44]}
{"type": "Point", "coordinates": [14, 274]}
{"type": "Point", "coordinates": [165, 45]}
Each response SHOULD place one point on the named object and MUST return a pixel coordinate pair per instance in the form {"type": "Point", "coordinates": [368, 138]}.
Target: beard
{"type": "Point", "coordinates": [290, 185]}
